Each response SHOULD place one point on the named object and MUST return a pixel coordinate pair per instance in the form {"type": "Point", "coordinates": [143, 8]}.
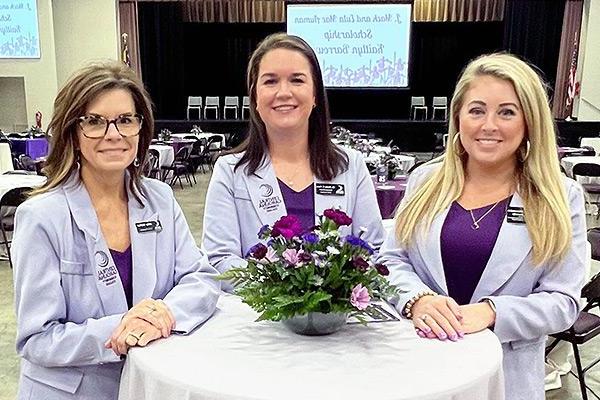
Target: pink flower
{"type": "Point", "coordinates": [291, 256]}
{"type": "Point", "coordinates": [360, 297]}
{"type": "Point", "coordinates": [271, 255]}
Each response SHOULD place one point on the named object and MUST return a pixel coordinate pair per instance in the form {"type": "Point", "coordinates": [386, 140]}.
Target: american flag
{"type": "Point", "coordinates": [572, 82]}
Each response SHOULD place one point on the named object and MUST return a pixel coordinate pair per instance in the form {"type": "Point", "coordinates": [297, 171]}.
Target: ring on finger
{"type": "Point", "coordinates": [424, 318]}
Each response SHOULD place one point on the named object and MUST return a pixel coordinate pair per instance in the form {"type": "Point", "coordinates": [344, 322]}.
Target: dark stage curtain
{"type": "Point", "coordinates": [532, 30]}
{"type": "Point", "coordinates": [163, 61]}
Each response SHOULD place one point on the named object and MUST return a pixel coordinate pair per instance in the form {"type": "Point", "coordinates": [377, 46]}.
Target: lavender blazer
{"type": "Point", "coordinates": [69, 300]}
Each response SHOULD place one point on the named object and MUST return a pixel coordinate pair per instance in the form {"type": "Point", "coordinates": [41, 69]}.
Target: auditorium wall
{"type": "Point", "coordinates": [589, 101]}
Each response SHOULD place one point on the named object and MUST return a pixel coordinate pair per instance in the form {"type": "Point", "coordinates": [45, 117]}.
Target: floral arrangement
{"type": "Point", "coordinates": [300, 272]}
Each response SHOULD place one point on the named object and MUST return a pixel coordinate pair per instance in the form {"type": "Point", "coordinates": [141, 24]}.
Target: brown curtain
{"type": "Point", "coordinates": [566, 73]}
{"type": "Point", "coordinates": [458, 10]}
{"type": "Point", "coordinates": [234, 11]}
{"type": "Point", "coordinates": [128, 23]}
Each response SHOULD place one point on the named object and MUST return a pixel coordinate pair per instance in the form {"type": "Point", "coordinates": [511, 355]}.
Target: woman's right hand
{"type": "Point", "coordinates": [438, 316]}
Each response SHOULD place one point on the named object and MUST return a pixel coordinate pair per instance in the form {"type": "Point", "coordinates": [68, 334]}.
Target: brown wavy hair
{"type": "Point", "coordinates": [326, 159]}
{"type": "Point", "coordinates": [83, 87]}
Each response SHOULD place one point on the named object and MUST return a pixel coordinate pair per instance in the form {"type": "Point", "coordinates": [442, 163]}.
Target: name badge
{"type": "Point", "coordinates": [148, 226]}
{"type": "Point", "coordinates": [515, 215]}
{"type": "Point", "coordinates": [331, 189]}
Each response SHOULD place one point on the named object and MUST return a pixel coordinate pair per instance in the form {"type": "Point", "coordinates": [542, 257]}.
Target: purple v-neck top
{"type": "Point", "coordinates": [466, 251]}
{"type": "Point", "coordinates": [124, 265]}
{"type": "Point", "coordinates": [300, 204]}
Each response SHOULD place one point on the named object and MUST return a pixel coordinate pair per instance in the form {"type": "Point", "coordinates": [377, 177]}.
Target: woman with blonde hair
{"type": "Point", "coordinates": [104, 259]}
{"type": "Point", "coordinates": [491, 235]}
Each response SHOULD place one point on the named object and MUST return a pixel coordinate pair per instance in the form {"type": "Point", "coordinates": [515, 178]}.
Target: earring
{"type": "Point", "coordinates": [136, 162]}
{"type": "Point", "coordinates": [78, 158]}
{"type": "Point", "coordinates": [527, 149]}
{"type": "Point", "coordinates": [455, 144]}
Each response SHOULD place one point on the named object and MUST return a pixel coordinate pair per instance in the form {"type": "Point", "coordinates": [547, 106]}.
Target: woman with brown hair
{"type": "Point", "coordinates": [288, 165]}
{"type": "Point", "coordinates": [90, 278]}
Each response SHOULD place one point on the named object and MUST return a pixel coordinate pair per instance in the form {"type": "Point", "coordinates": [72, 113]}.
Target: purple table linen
{"type": "Point", "coordinates": [388, 197]}
{"type": "Point", "coordinates": [33, 147]}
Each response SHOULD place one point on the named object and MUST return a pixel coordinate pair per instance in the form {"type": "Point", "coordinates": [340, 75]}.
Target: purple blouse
{"type": "Point", "coordinates": [300, 204]}
{"type": "Point", "coordinates": [466, 251]}
{"type": "Point", "coordinates": [123, 263]}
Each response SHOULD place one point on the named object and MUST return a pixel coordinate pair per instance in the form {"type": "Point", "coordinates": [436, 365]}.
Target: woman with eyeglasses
{"type": "Point", "coordinates": [104, 259]}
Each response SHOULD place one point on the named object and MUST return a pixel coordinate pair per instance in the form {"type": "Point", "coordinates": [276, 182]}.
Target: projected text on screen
{"type": "Point", "coordinates": [19, 36]}
{"type": "Point", "coordinates": [358, 45]}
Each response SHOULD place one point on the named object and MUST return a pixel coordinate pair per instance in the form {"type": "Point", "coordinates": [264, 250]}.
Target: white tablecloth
{"type": "Point", "coordinates": [593, 142]}
{"type": "Point", "coordinates": [6, 163]}
{"type": "Point", "coordinates": [406, 161]}
{"type": "Point", "coordinates": [205, 135]}
{"type": "Point", "coordinates": [11, 181]}
{"type": "Point", "coordinates": [166, 154]}
{"type": "Point", "coordinates": [569, 162]}
{"type": "Point", "coordinates": [233, 357]}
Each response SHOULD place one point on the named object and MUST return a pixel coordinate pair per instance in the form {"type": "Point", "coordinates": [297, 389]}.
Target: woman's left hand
{"type": "Point", "coordinates": [132, 332]}
{"type": "Point", "coordinates": [477, 317]}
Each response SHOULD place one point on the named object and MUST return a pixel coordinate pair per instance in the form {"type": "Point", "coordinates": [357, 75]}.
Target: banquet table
{"type": "Point", "coordinates": [569, 162]}
{"type": "Point", "coordinates": [12, 181]}
{"type": "Point", "coordinates": [33, 147]}
{"type": "Point", "coordinates": [593, 142]}
{"type": "Point", "coordinates": [166, 154]}
{"type": "Point", "coordinates": [233, 357]}
{"type": "Point", "coordinates": [6, 163]}
{"type": "Point", "coordinates": [203, 135]}
{"type": "Point", "coordinates": [405, 161]}
{"type": "Point", "coordinates": [389, 195]}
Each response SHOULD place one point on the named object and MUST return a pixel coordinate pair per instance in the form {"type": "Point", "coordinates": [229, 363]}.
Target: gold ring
{"type": "Point", "coordinates": [424, 317]}
{"type": "Point", "coordinates": [135, 336]}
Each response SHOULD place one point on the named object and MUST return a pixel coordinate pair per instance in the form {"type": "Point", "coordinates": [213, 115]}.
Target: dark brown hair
{"type": "Point", "coordinates": [78, 92]}
{"type": "Point", "coordinates": [326, 159]}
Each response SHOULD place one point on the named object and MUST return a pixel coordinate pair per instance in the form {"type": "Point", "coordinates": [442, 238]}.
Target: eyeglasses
{"type": "Point", "coordinates": [96, 126]}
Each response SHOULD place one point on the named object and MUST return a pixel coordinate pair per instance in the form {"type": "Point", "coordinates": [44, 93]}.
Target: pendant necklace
{"type": "Point", "coordinates": [475, 225]}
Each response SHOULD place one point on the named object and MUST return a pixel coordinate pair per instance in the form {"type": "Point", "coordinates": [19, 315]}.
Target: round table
{"type": "Point", "coordinates": [12, 181]}
{"type": "Point", "coordinates": [569, 162]}
{"type": "Point", "coordinates": [389, 195]}
{"type": "Point", "coordinates": [233, 357]}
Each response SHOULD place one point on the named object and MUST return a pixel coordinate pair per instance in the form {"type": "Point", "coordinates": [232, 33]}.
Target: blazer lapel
{"type": "Point", "coordinates": [108, 283]}
{"type": "Point", "coordinates": [143, 249]}
{"type": "Point", "coordinates": [512, 246]}
{"type": "Point", "coordinates": [429, 248]}
{"type": "Point", "coordinates": [265, 193]}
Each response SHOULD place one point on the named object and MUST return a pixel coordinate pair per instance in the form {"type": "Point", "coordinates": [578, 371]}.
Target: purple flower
{"type": "Point", "coordinates": [360, 297]}
{"type": "Point", "coordinates": [258, 251]}
{"type": "Point", "coordinates": [356, 241]}
{"type": "Point", "coordinates": [263, 229]}
{"type": "Point", "coordinates": [311, 238]}
{"type": "Point", "coordinates": [287, 226]}
{"type": "Point", "coordinates": [291, 256]}
{"type": "Point", "coordinates": [304, 256]}
{"type": "Point", "coordinates": [382, 269]}
{"type": "Point", "coordinates": [337, 216]}
{"type": "Point", "coordinates": [360, 264]}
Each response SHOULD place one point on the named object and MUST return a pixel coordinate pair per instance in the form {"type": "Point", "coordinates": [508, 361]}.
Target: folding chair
{"type": "Point", "coordinates": [8, 203]}
{"type": "Point", "coordinates": [441, 104]}
{"type": "Point", "coordinates": [212, 103]}
{"type": "Point", "coordinates": [591, 182]}
{"type": "Point", "coordinates": [194, 103]}
{"type": "Point", "coordinates": [245, 106]}
{"type": "Point", "coordinates": [417, 103]}
{"type": "Point", "coordinates": [585, 328]}
{"type": "Point", "coordinates": [231, 103]}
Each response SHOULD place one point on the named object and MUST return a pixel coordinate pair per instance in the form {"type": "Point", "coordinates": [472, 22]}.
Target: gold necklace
{"type": "Point", "coordinates": [290, 181]}
{"type": "Point", "coordinates": [476, 222]}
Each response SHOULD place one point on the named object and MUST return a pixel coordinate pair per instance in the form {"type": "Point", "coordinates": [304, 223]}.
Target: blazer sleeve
{"type": "Point", "coordinates": [366, 212]}
{"type": "Point", "coordinates": [222, 233]}
{"type": "Point", "coordinates": [193, 298]}
{"type": "Point", "coordinates": [44, 335]}
{"type": "Point", "coordinates": [395, 256]}
{"type": "Point", "coordinates": [553, 305]}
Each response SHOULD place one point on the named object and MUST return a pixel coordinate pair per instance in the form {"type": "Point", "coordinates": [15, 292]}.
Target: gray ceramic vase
{"type": "Point", "coordinates": [316, 323]}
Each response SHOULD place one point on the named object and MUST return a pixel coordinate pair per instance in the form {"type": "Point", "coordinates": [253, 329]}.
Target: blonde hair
{"type": "Point", "coordinates": [539, 181]}
{"type": "Point", "coordinates": [71, 102]}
